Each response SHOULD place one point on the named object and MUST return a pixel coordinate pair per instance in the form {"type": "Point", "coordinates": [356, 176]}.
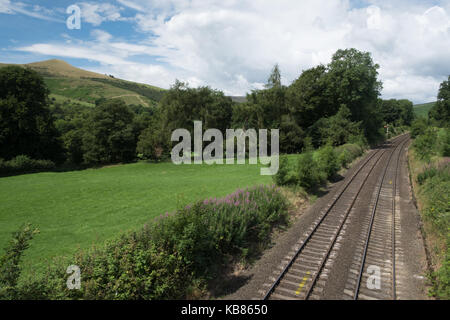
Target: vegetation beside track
{"type": "Point", "coordinates": [430, 174]}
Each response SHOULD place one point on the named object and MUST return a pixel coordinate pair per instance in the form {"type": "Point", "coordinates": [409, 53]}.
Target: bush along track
{"type": "Point", "coordinates": [310, 169]}
{"type": "Point", "coordinates": [172, 257]}
{"type": "Point", "coordinates": [430, 175]}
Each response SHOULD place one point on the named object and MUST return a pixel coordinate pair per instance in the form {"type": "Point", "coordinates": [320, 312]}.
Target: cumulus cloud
{"type": "Point", "coordinates": [220, 41]}
{"type": "Point", "coordinates": [96, 13]}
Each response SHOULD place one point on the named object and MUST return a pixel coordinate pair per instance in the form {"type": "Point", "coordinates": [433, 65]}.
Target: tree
{"type": "Point", "coordinates": [153, 143]}
{"type": "Point", "coordinates": [109, 135]}
{"type": "Point", "coordinates": [440, 112]}
{"type": "Point", "coordinates": [352, 81]}
{"type": "Point", "coordinates": [418, 127]}
{"type": "Point", "coordinates": [406, 112]}
{"type": "Point", "coordinates": [399, 112]}
{"type": "Point", "coordinates": [274, 78]}
{"type": "Point", "coordinates": [26, 124]}
{"type": "Point", "coordinates": [308, 98]}
{"type": "Point", "coordinates": [335, 130]}
{"type": "Point", "coordinates": [268, 106]}
{"type": "Point", "coordinates": [181, 106]}
{"type": "Point", "coordinates": [291, 135]}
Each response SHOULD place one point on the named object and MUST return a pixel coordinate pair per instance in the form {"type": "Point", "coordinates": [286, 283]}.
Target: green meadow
{"type": "Point", "coordinates": [80, 208]}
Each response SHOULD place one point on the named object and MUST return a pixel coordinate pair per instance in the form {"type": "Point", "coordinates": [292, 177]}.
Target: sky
{"type": "Point", "coordinates": [232, 45]}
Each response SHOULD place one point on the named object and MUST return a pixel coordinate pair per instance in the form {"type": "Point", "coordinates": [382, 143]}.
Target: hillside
{"type": "Point", "coordinates": [239, 99]}
{"type": "Point", "coordinates": [421, 110]}
{"type": "Point", "coordinates": [68, 83]}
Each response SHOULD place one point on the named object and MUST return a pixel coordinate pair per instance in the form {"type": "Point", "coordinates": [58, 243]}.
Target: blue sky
{"type": "Point", "coordinates": [232, 45]}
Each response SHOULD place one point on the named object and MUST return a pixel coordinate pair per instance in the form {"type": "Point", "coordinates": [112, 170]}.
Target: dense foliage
{"type": "Point", "coordinates": [432, 174]}
{"type": "Point", "coordinates": [396, 112]}
{"type": "Point", "coordinates": [109, 135]}
{"type": "Point", "coordinates": [24, 164]}
{"type": "Point", "coordinates": [311, 168]}
{"type": "Point", "coordinates": [440, 112]}
{"type": "Point", "coordinates": [26, 124]}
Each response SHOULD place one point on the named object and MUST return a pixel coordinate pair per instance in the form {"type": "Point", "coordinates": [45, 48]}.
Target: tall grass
{"type": "Point", "coordinates": [431, 178]}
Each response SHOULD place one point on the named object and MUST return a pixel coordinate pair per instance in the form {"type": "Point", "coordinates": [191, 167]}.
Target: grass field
{"type": "Point", "coordinates": [421, 110]}
{"type": "Point", "coordinates": [80, 208]}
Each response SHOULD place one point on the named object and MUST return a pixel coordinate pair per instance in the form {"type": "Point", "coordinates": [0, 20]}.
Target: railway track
{"type": "Point", "coordinates": [305, 273]}
{"type": "Point", "coordinates": [379, 254]}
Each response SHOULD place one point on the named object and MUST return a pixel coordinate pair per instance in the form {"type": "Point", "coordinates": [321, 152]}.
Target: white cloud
{"type": "Point", "coordinates": [96, 13]}
{"type": "Point", "coordinates": [5, 6]}
{"type": "Point", "coordinates": [35, 11]}
{"type": "Point", "coordinates": [114, 58]}
{"type": "Point", "coordinates": [232, 45]}
{"type": "Point", "coordinates": [101, 36]}
{"type": "Point", "coordinates": [220, 41]}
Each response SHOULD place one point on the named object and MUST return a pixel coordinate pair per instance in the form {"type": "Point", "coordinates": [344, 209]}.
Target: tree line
{"type": "Point", "coordinates": [329, 104]}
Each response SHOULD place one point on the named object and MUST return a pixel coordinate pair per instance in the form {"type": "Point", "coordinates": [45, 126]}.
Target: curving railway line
{"type": "Point", "coordinates": [305, 274]}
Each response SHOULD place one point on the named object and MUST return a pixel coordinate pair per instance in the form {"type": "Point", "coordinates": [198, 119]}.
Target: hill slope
{"type": "Point", "coordinates": [421, 110]}
{"type": "Point", "coordinates": [77, 85]}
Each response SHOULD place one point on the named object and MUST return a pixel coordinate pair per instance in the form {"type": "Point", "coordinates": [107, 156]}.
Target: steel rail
{"type": "Point", "coordinates": [286, 268]}
{"type": "Point", "coordinates": [369, 231]}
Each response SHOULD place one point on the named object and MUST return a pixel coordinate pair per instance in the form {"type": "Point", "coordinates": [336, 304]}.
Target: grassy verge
{"type": "Point", "coordinates": [431, 185]}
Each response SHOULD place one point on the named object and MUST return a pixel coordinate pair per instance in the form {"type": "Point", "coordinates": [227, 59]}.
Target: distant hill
{"type": "Point", "coordinates": [421, 110]}
{"type": "Point", "coordinates": [68, 83]}
{"type": "Point", "coordinates": [238, 99]}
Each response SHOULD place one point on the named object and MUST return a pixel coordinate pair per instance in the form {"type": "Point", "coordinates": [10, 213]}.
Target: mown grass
{"type": "Point", "coordinates": [81, 208]}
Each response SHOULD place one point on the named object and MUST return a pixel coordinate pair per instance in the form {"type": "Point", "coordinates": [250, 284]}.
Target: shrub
{"type": "Point", "coordinates": [347, 153]}
{"type": "Point", "coordinates": [327, 162]}
{"type": "Point", "coordinates": [9, 262]}
{"type": "Point", "coordinates": [426, 174]}
{"type": "Point", "coordinates": [308, 173]}
{"type": "Point", "coordinates": [286, 174]}
{"type": "Point", "coordinates": [418, 127]}
{"type": "Point", "coordinates": [344, 158]}
{"type": "Point", "coordinates": [359, 140]}
{"type": "Point", "coordinates": [444, 142]}
{"type": "Point", "coordinates": [24, 164]}
{"type": "Point", "coordinates": [425, 144]}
